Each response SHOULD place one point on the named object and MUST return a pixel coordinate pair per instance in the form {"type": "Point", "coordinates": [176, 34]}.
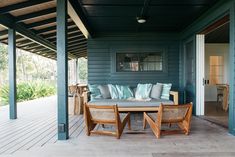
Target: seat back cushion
{"type": "Point", "coordinates": [104, 90]}
{"type": "Point", "coordinates": [124, 92]}
{"type": "Point", "coordinates": [113, 91]}
{"type": "Point", "coordinates": [143, 91]}
{"type": "Point", "coordinates": [166, 91]}
{"type": "Point", "coordinates": [156, 91]}
{"type": "Point", "coordinates": [95, 92]}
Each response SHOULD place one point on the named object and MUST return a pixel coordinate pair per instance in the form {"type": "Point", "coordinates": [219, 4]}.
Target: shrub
{"type": "Point", "coordinates": [28, 91]}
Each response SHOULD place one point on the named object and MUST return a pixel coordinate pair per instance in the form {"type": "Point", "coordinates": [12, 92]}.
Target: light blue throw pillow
{"type": "Point", "coordinates": [156, 91]}
{"type": "Point", "coordinates": [95, 92]}
{"type": "Point", "coordinates": [124, 92]}
{"type": "Point", "coordinates": [166, 91]}
{"type": "Point", "coordinates": [113, 91]}
{"type": "Point", "coordinates": [143, 91]}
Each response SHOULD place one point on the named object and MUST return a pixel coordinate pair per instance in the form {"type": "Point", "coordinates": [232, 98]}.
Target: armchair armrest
{"type": "Point", "coordinates": [175, 95]}
{"type": "Point", "coordinates": [86, 95]}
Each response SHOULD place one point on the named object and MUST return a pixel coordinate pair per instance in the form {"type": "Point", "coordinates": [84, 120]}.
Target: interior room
{"type": "Point", "coordinates": [217, 75]}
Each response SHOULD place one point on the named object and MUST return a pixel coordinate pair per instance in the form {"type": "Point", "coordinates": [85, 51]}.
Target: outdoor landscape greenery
{"type": "Point", "coordinates": [36, 75]}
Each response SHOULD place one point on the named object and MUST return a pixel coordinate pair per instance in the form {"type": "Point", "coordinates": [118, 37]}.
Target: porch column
{"type": "Point", "coordinates": [62, 70]}
{"type": "Point", "coordinates": [76, 70]}
{"type": "Point", "coordinates": [12, 72]}
{"type": "Point", "coordinates": [231, 71]}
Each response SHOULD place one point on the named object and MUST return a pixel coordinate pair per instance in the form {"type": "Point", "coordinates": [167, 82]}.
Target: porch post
{"type": "Point", "coordinates": [12, 72]}
{"type": "Point", "coordinates": [76, 70]}
{"type": "Point", "coordinates": [62, 70]}
{"type": "Point", "coordinates": [231, 71]}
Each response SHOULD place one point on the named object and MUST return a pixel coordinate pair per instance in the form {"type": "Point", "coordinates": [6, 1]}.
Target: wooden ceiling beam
{"type": "Point", "coordinates": [40, 23]}
{"type": "Point", "coordinates": [43, 22]}
{"type": "Point", "coordinates": [35, 14]}
{"type": "Point", "coordinates": [74, 39]}
{"type": "Point", "coordinates": [77, 47]}
{"type": "Point", "coordinates": [9, 21]}
{"type": "Point", "coordinates": [47, 29]}
{"type": "Point", "coordinates": [21, 5]}
{"type": "Point", "coordinates": [4, 32]}
{"type": "Point", "coordinates": [76, 13]}
{"type": "Point", "coordinates": [53, 35]}
{"type": "Point", "coordinates": [77, 40]}
{"type": "Point", "coordinates": [69, 36]}
{"type": "Point", "coordinates": [78, 44]}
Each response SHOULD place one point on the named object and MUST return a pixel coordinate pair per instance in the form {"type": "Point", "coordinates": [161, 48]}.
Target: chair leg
{"type": "Point", "coordinates": [144, 121]}
{"type": "Point", "coordinates": [129, 123]}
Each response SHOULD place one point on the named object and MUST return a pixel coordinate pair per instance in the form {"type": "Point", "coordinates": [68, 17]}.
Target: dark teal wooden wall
{"type": "Point", "coordinates": [222, 8]}
{"type": "Point", "coordinates": [101, 50]}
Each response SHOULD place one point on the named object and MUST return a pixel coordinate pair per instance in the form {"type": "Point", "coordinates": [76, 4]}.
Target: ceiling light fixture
{"type": "Point", "coordinates": [141, 20]}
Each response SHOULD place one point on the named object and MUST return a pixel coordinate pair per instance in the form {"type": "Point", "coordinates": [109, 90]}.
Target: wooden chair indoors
{"type": "Point", "coordinates": [222, 96]}
{"type": "Point", "coordinates": [169, 114]}
{"type": "Point", "coordinates": [105, 115]}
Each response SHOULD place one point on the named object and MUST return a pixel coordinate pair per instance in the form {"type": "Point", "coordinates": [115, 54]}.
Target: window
{"type": "Point", "coordinates": [216, 69]}
{"type": "Point", "coordinates": [139, 62]}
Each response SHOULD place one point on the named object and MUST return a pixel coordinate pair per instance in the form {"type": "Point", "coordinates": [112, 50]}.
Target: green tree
{"type": "Point", "coordinates": [82, 68]}
{"type": "Point", "coordinates": [3, 64]}
{"type": "Point", "coordinates": [3, 57]}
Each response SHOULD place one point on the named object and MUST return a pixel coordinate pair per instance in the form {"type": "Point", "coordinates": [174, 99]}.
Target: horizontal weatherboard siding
{"type": "Point", "coordinates": [101, 63]}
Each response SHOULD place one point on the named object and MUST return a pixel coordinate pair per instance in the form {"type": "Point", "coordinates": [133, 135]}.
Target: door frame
{"type": "Point", "coordinates": [200, 74]}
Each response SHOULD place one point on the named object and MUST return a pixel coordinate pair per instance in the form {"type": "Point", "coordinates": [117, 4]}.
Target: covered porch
{"type": "Point", "coordinates": [99, 30]}
{"type": "Point", "coordinates": [34, 134]}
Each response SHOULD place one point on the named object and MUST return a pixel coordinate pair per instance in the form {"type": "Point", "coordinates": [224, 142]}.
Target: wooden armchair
{"type": "Point", "coordinates": [169, 114]}
{"type": "Point", "coordinates": [105, 115]}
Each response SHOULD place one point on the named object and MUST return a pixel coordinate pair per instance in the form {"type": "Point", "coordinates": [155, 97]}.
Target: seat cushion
{"type": "Point", "coordinates": [131, 102]}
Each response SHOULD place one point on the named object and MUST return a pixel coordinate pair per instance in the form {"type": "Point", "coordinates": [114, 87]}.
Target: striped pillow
{"type": "Point", "coordinates": [113, 91]}
{"type": "Point", "coordinates": [143, 91]}
{"type": "Point", "coordinates": [166, 91]}
{"type": "Point", "coordinates": [124, 92]}
{"type": "Point", "coordinates": [95, 92]}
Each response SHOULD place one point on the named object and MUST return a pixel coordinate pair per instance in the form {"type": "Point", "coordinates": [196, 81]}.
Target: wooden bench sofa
{"type": "Point", "coordinates": [134, 106]}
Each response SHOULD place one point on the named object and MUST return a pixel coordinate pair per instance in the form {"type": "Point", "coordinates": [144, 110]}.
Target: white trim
{"type": "Point", "coordinates": [200, 62]}
{"type": "Point", "coordinates": [76, 19]}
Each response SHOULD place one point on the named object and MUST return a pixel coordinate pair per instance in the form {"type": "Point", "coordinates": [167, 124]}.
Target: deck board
{"type": "Point", "coordinates": [34, 134]}
{"type": "Point", "coordinates": [36, 126]}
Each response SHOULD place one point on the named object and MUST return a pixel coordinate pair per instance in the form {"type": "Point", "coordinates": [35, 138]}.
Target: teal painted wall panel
{"type": "Point", "coordinates": [102, 48]}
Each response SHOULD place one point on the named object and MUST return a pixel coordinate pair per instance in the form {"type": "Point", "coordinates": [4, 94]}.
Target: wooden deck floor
{"type": "Point", "coordinates": [34, 134]}
{"type": "Point", "coordinates": [36, 126]}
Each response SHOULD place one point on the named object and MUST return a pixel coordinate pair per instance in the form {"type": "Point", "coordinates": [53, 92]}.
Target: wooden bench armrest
{"type": "Point", "coordinates": [175, 95]}
{"type": "Point", "coordinates": [86, 95]}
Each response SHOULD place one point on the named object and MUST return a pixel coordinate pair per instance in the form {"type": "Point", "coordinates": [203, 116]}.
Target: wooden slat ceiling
{"type": "Point", "coordinates": [219, 35]}
{"type": "Point", "coordinates": [161, 15]}
{"type": "Point", "coordinates": [39, 16]}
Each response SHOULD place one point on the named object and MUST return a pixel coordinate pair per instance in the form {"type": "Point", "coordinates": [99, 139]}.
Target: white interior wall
{"type": "Point", "coordinates": [215, 50]}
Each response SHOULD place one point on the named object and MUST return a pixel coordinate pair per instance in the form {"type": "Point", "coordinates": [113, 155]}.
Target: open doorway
{"type": "Point", "coordinates": [216, 78]}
